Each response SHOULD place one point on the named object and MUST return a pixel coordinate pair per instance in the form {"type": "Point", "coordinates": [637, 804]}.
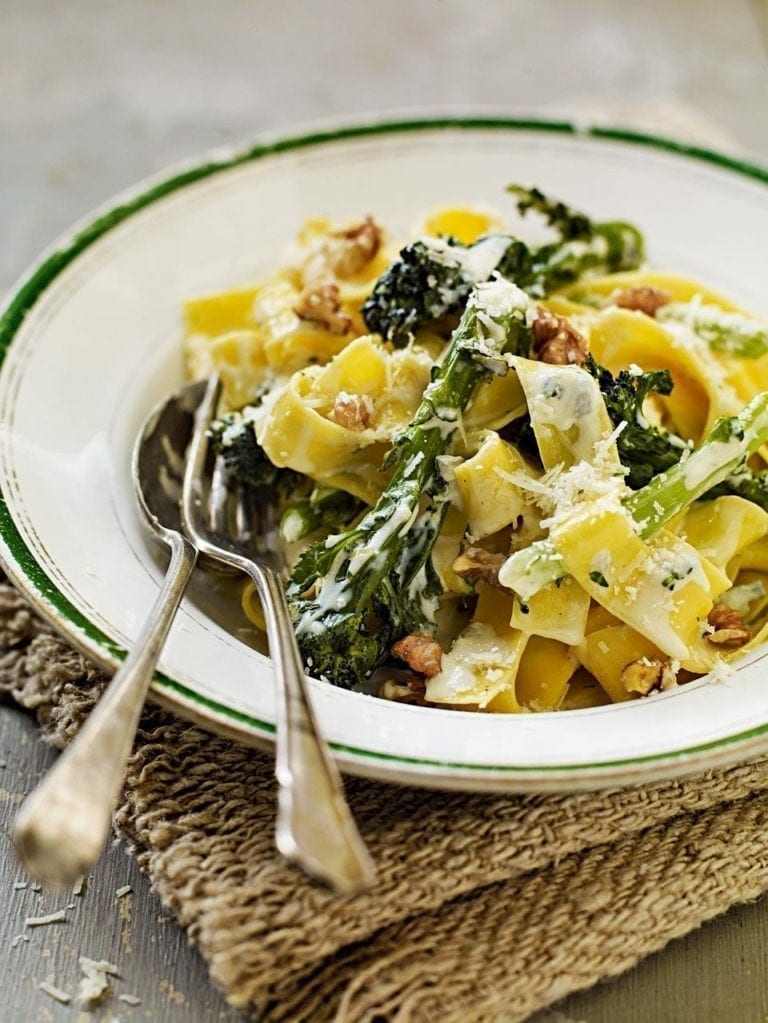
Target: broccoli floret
{"type": "Point", "coordinates": [643, 448]}
{"type": "Point", "coordinates": [743, 483]}
{"type": "Point", "coordinates": [569, 224]}
{"type": "Point", "coordinates": [433, 278]}
{"type": "Point", "coordinates": [234, 438]}
{"type": "Point", "coordinates": [423, 286]}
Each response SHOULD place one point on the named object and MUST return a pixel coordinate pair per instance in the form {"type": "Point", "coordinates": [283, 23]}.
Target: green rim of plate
{"type": "Point", "coordinates": [82, 631]}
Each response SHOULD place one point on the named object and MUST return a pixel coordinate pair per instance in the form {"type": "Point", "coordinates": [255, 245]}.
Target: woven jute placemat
{"type": "Point", "coordinates": [487, 907]}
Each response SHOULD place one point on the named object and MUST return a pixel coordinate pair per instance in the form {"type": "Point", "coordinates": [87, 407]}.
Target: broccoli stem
{"type": "Point", "coordinates": [730, 442]}
{"type": "Point", "coordinates": [730, 333]}
{"type": "Point", "coordinates": [325, 506]}
{"type": "Point", "coordinates": [611, 247]}
{"type": "Point", "coordinates": [353, 594]}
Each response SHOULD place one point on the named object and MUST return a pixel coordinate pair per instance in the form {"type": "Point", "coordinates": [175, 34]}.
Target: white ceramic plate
{"type": "Point", "coordinates": [91, 341]}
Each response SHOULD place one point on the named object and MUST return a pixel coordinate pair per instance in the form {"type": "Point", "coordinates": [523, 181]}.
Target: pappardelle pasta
{"type": "Point", "coordinates": [512, 476]}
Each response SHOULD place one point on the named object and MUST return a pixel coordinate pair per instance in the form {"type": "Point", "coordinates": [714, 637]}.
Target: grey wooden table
{"type": "Point", "coordinates": [96, 95]}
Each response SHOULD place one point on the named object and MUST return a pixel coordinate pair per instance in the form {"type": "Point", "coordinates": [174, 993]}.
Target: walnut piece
{"type": "Point", "coordinates": [729, 628]}
{"type": "Point", "coordinates": [348, 251]}
{"type": "Point", "coordinates": [321, 304]}
{"type": "Point", "coordinates": [412, 690]}
{"type": "Point", "coordinates": [352, 411]}
{"type": "Point", "coordinates": [476, 563]}
{"type": "Point", "coordinates": [647, 674]}
{"type": "Point", "coordinates": [642, 299]}
{"type": "Point", "coordinates": [422, 653]}
{"type": "Point", "coordinates": [556, 341]}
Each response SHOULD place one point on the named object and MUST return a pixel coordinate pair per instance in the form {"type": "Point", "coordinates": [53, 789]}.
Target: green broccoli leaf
{"type": "Point", "coordinates": [646, 450]}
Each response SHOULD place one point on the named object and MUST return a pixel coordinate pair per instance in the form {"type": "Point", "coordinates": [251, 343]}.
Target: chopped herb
{"type": "Point", "coordinates": [675, 576]}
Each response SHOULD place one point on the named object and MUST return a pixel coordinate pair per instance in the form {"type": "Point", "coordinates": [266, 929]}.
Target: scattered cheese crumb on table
{"type": "Point", "coordinates": [95, 984]}
{"type": "Point", "coordinates": [55, 992]}
{"type": "Point", "coordinates": [60, 917]}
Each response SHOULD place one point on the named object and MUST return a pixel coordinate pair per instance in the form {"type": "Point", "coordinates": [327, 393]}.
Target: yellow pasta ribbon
{"type": "Point", "coordinates": [490, 497]}
{"type": "Point", "coordinates": [701, 394]}
{"type": "Point", "coordinates": [722, 529]}
{"type": "Point", "coordinates": [462, 222]}
{"type": "Point", "coordinates": [567, 412]}
{"type": "Point", "coordinates": [546, 667]}
{"type": "Point", "coordinates": [663, 588]}
{"type": "Point", "coordinates": [481, 667]}
{"type": "Point", "coordinates": [297, 432]}
{"type": "Point", "coordinates": [557, 612]}
{"type": "Point", "coordinates": [606, 652]}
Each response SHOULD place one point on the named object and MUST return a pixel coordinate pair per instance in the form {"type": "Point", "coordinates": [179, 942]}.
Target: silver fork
{"type": "Point", "coordinates": [314, 828]}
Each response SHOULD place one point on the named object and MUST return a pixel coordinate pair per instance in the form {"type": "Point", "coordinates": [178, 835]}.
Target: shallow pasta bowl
{"type": "Point", "coordinates": [91, 340]}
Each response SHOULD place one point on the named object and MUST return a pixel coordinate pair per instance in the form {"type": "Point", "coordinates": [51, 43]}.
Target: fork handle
{"type": "Point", "coordinates": [315, 828]}
{"type": "Point", "coordinates": [63, 825]}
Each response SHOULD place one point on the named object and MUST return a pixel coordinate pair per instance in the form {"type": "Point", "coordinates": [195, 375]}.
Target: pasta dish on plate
{"type": "Point", "coordinates": [515, 470]}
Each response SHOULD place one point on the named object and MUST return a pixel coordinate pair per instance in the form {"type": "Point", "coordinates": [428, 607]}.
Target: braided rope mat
{"type": "Point", "coordinates": [487, 909]}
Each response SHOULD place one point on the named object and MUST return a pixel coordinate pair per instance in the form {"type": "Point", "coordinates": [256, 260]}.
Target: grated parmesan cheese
{"type": "Point", "coordinates": [721, 671]}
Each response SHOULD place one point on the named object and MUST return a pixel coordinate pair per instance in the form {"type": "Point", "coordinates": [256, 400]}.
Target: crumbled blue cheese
{"type": "Point", "coordinates": [740, 597]}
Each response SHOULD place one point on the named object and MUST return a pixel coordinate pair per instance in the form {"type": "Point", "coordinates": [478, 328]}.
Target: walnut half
{"type": "Point", "coordinates": [729, 628]}
{"type": "Point", "coordinates": [476, 563]}
{"type": "Point", "coordinates": [648, 673]}
{"type": "Point", "coordinates": [556, 341]}
{"type": "Point", "coordinates": [407, 690]}
{"type": "Point", "coordinates": [321, 304]}
{"type": "Point", "coordinates": [422, 653]}
{"type": "Point", "coordinates": [352, 411]}
{"type": "Point", "coordinates": [348, 251]}
{"type": "Point", "coordinates": [642, 299]}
